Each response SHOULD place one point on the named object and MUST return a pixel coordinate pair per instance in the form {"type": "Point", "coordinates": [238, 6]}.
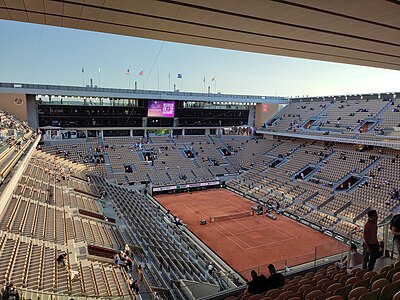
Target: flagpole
{"type": "Point", "coordinates": [204, 84]}
{"type": "Point", "coordinates": [99, 76]}
{"type": "Point", "coordinates": [158, 78]}
{"type": "Point", "coordinates": [83, 76]}
{"type": "Point", "coordinates": [129, 80]}
{"type": "Point", "coordinates": [169, 81]}
{"type": "Point", "coordinates": [215, 87]}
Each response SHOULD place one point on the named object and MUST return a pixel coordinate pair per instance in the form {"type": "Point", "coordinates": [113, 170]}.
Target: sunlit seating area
{"type": "Point", "coordinates": [370, 117]}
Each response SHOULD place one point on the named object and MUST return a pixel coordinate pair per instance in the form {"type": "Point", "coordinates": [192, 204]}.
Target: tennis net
{"type": "Point", "coordinates": [231, 216]}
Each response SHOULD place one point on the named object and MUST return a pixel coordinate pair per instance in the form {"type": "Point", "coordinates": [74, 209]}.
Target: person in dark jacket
{"type": "Point", "coordinates": [258, 284]}
{"type": "Point", "coordinates": [276, 280]}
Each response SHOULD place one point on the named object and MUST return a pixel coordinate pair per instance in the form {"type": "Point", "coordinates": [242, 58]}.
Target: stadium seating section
{"type": "Point", "coordinates": [328, 283]}
{"type": "Point", "coordinates": [69, 194]}
{"type": "Point", "coordinates": [372, 118]}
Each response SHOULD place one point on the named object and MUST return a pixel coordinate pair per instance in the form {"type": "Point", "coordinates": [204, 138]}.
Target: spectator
{"type": "Point", "coordinates": [133, 284]}
{"type": "Point", "coordinates": [129, 264]}
{"type": "Point", "coordinates": [128, 250]}
{"type": "Point", "coordinates": [276, 280]}
{"type": "Point", "coordinates": [73, 274]}
{"type": "Point", "coordinates": [140, 273]}
{"type": "Point", "coordinates": [117, 260]}
{"type": "Point", "coordinates": [371, 246]}
{"type": "Point", "coordinates": [355, 259]}
{"type": "Point", "coordinates": [61, 260]}
{"type": "Point", "coordinates": [10, 293]}
{"type": "Point", "coordinates": [382, 251]}
{"type": "Point", "coordinates": [258, 284]}
{"type": "Point", "coordinates": [395, 227]}
{"type": "Point", "coordinates": [210, 268]}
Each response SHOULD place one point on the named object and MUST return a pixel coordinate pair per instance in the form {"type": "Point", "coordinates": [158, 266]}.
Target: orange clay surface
{"type": "Point", "coordinates": [248, 242]}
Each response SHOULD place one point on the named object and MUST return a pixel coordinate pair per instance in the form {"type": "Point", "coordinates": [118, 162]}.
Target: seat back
{"type": "Point", "coordinates": [396, 277]}
{"type": "Point", "coordinates": [343, 291]}
{"type": "Point", "coordinates": [344, 279]}
{"type": "Point", "coordinates": [379, 284]}
{"type": "Point", "coordinates": [322, 281]}
{"type": "Point", "coordinates": [352, 280]}
{"type": "Point", "coordinates": [369, 274]}
{"type": "Point", "coordinates": [284, 294]}
{"type": "Point", "coordinates": [390, 290]}
{"type": "Point", "coordinates": [335, 297]}
{"type": "Point", "coordinates": [364, 282]}
{"type": "Point", "coordinates": [332, 288]}
{"type": "Point", "coordinates": [374, 295]}
{"type": "Point", "coordinates": [391, 273]}
{"type": "Point", "coordinates": [385, 269]}
{"type": "Point", "coordinates": [396, 296]}
{"type": "Point", "coordinates": [313, 294]}
{"type": "Point", "coordinates": [357, 292]}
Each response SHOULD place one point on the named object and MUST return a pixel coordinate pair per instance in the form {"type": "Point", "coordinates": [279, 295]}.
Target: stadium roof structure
{"type": "Point", "coordinates": [354, 32]}
{"type": "Point", "coordinates": [64, 90]}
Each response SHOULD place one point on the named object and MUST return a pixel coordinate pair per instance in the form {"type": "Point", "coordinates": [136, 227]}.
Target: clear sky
{"type": "Point", "coordinates": [31, 53]}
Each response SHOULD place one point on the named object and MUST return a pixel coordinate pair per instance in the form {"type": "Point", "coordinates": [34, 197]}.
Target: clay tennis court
{"type": "Point", "coordinates": [247, 242]}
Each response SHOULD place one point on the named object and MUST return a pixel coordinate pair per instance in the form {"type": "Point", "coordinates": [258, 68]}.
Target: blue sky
{"type": "Point", "coordinates": [33, 53]}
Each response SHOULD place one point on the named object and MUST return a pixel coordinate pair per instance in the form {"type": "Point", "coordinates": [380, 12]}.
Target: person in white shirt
{"type": "Point", "coordinates": [353, 261]}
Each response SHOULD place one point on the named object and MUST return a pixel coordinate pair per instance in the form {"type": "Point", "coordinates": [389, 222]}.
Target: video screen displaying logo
{"type": "Point", "coordinates": [164, 109]}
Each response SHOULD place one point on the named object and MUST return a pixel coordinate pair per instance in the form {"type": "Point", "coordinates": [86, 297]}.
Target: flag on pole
{"type": "Point", "coordinates": [99, 69]}
{"type": "Point", "coordinates": [83, 70]}
{"type": "Point", "coordinates": [213, 79]}
{"type": "Point", "coordinates": [204, 79]}
{"type": "Point", "coordinates": [180, 75]}
{"type": "Point", "coordinates": [127, 72]}
{"type": "Point", "coordinates": [141, 73]}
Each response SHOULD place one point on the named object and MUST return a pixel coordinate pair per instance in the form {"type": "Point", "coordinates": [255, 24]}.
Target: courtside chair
{"type": "Point", "coordinates": [327, 284]}
{"type": "Point", "coordinates": [369, 274]}
{"type": "Point", "coordinates": [390, 290]}
{"type": "Point", "coordinates": [391, 273]}
{"type": "Point", "coordinates": [343, 291]}
{"type": "Point", "coordinates": [256, 297]}
{"type": "Point", "coordinates": [361, 273]}
{"type": "Point", "coordinates": [339, 276]}
{"type": "Point", "coordinates": [385, 269]}
{"type": "Point", "coordinates": [284, 294]}
{"type": "Point", "coordinates": [303, 288]}
{"type": "Point", "coordinates": [309, 290]}
{"type": "Point", "coordinates": [374, 295]}
{"type": "Point", "coordinates": [273, 293]}
{"type": "Point", "coordinates": [364, 282]}
{"type": "Point", "coordinates": [377, 277]}
{"type": "Point", "coordinates": [321, 282]}
{"type": "Point", "coordinates": [313, 294]}
{"type": "Point", "coordinates": [379, 284]}
{"type": "Point", "coordinates": [396, 277]}
{"type": "Point", "coordinates": [396, 296]}
{"type": "Point", "coordinates": [323, 296]}
{"type": "Point", "coordinates": [332, 288]}
{"type": "Point", "coordinates": [357, 292]}
{"type": "Point", "coordinates": [354, 271]}
{"type": "Point", "coordinates": [352, 280]}
{"type": "Point", "coordinates": [336, 297]}
{"type": "Point", "coordinates": [344, 279]}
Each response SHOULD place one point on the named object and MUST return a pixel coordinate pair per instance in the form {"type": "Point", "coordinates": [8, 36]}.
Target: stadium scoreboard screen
{"type": "Point", "coordinates": [163, 109]}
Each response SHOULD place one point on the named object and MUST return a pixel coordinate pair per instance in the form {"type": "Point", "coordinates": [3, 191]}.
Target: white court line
{"type": "Point", "coordinates": [282, 231]}
{"type": "Point", "coordinates": [224, 232]}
